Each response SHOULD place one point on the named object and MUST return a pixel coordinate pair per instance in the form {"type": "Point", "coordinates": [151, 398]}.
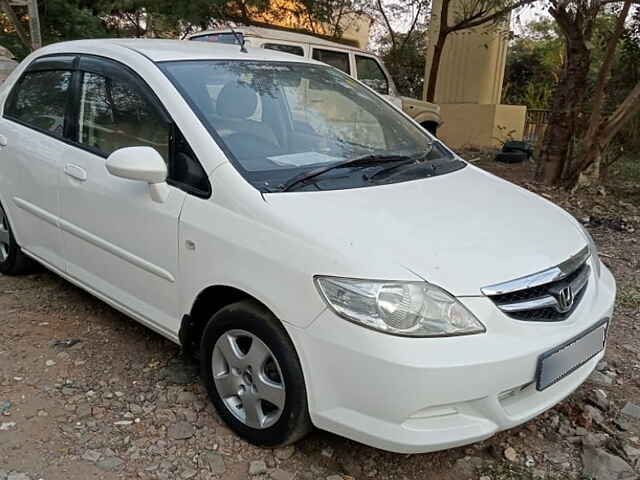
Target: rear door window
{"type": "Point", "coordinates": [340, 60]}
{"type": "Point", "coordinates": [40, 100]}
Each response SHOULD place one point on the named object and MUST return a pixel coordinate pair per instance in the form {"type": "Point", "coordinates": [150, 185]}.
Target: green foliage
{"type": "Point", "coordinates": [74, 19]}
{"type": "Point", "coordinates": [533, 64]}
{"type": "Point", "coordinates": [403, 53]}
{"type": "Point", "coordinates": [406, 62]}
{"type": "Point", "coordinates": [8, 39]}
{"type": "Point", "coordinates": [68, 20]}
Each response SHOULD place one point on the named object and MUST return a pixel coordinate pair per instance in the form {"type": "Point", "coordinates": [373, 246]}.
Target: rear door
{"type": "Point", "coordinates": [34, 130]}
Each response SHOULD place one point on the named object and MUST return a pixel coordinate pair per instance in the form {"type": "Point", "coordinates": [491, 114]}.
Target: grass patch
{"type": "Point", "coordinates": [629, 296]}
{"type": "Point", "coordinates": [627, 169]}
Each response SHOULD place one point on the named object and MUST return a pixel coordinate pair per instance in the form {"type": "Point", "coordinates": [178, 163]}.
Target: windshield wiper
{"type": "Point", "coordinates": [413, 160]}
{"type": "Point", "coordinates": [369, 159]}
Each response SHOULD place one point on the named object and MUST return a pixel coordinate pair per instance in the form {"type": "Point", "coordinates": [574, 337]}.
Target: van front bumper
{"type": "Point", "coordinates": [412, 395]}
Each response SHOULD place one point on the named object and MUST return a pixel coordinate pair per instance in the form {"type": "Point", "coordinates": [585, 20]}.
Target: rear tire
{"type": "Point", "coordinates": [253, 376]}
{"type": "Point", "coordinates": [12, 260]}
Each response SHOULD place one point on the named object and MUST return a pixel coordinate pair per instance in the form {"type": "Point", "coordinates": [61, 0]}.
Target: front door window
{"type": "Point", "coordinates": [371, 74]}
{"type": "Point", "coordinates": [114, 115]}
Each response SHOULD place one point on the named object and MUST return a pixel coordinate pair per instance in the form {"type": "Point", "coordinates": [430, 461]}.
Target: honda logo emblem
{"type": "Point", "coordinates": [565, 299]}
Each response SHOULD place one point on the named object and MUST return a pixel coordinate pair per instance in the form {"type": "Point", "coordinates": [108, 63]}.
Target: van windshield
{"type": "Point", "coordinates": [297, 126]}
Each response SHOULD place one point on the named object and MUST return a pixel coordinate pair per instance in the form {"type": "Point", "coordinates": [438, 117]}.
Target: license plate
{"type": "Point", "coordinates": [556, 364]}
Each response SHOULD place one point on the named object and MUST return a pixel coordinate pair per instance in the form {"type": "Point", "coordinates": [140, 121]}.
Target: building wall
{"type": "Point", "coordinates": [355, 27]}
{"type": "Point", "coordinates": [469, 86]}
{"type": "Point", "coordinates": [473, 61]}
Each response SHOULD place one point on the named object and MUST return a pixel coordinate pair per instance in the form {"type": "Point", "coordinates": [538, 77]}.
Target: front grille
{"type": "Point", "coordinates": [545, 314]}
{"type": "Point", "coordinates": [548, 296]}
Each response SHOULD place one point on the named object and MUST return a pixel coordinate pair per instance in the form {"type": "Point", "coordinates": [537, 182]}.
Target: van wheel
{"type": "Point", "coordinates": [254, 378]}
{"type": "Point", "coordinates": [430, 127]}
{"type": "Point", "coordinates": [12, 260]}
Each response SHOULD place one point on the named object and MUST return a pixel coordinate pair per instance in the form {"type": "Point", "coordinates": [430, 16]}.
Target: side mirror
{"type": "Point", "coordinates": [143, 164]}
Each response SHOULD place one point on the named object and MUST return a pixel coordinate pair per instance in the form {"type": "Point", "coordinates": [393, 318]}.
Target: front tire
{"type": "Point", "coordinates": [12, 260]}
{"type": "Point", "coordinates": [252, 373]}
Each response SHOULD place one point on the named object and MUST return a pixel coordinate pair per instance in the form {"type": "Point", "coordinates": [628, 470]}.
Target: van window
{"type": "Point", "coordinates": [280, 47]}
{"type": "Point", "coordinates": [371, 74]}
{"type": "Point", "coordinates": [340, 60]}
{"type": "Point", "coordinates": [228, 37]}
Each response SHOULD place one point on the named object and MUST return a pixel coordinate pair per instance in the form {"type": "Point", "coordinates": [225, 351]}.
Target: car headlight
{"type": "Point", "coordinates": [414, 309]}
{"type": "Point", "coordinates": [593, 250]}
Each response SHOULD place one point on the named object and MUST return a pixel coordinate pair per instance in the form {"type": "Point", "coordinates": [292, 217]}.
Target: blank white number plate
{"type": "Point", "coordinates": [563, 360]}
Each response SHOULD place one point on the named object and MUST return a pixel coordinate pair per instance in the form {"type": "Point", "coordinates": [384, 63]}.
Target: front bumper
{"type": "Point", "coordinates": [412, 395]}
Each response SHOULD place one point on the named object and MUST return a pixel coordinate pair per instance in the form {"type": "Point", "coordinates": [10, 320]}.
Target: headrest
{"type": "Point", "coordinates": [236, 100]}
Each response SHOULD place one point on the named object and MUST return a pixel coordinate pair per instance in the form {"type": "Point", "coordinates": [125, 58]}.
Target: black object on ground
{"type": "Point", "coordinates": [511, 157]}
{"type": "Point", "coordinates": [518, 146]}
{"type": "Point", "coordinates": [514, 151]}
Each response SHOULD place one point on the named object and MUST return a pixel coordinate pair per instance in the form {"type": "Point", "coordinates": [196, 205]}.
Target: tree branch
{"type": "Point", "coordinates": [625, 111]}
{"type": "Point", "coordinates": [464, 24]}
{"type": "Point", "coordinates": [386, 21]}
{"type": "Point", "coordinates": [413, 26]}
{"type": "Point", "coordinates": [605, 73]}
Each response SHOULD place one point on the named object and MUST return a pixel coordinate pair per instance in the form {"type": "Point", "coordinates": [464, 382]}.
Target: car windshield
{"type": "Point", "coordinates": [281, 122]}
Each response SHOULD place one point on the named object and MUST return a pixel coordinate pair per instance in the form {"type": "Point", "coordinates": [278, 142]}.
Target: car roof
{"type": "Point", "coordinates": [169, 50]}
{"type": "Point", "coordinates": [284, 35]}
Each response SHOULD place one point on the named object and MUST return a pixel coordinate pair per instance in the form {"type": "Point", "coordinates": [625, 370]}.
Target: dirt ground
{"type": "Point", "coordinates": [87, 393]}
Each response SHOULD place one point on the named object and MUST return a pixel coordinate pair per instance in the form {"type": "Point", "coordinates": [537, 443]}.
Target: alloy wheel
{"type": "Point", "coordinates": [248, 378]}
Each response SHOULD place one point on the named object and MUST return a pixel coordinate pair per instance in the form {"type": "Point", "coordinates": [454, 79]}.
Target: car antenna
{"type": "Point", "coordinates": [239, 39]}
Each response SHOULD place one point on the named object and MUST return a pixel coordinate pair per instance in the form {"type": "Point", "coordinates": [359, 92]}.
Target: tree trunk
{"type": "Point", "coordinates": [592, 175]}
{"type": "Point", "coordinates": [13, 19]}
{"type": "Point", "coordinates": [598, 95]}
{"type": "Point", "coordinates": [589, 169]}
{"type": "Point", "coordinates": [435, 67]}
{"type": "Point", "coordinates": [628, 109]}
{"type": "Point", "coordinates": [566, 107]}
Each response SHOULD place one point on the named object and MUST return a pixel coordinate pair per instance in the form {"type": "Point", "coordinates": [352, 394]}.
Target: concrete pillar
{"type": "Point", "coordinates": [469, 85]}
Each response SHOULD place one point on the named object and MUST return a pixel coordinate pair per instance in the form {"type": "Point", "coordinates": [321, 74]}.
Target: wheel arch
{"type": "Point", "coordinates": [9, 209]}
{"type": "Point", "coordinates": [430, 126]}
{"type": "Point", "coordinates": [427, 116]}
{"type": "Point", "coordinates": [209, 301]}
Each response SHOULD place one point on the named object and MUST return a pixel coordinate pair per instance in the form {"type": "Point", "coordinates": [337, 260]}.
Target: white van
{"type": "Point", "coordinates": [358, 63]}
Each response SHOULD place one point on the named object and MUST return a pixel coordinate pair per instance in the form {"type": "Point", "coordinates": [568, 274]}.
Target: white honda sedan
{"type": "Point", "coordinates": [329, 261]}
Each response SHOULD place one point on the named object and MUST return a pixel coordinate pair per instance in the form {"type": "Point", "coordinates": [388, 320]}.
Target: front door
{"type": "Point", "coordinates": [370, 72]}
{"type": "Point", "coordinates": [117, 241]}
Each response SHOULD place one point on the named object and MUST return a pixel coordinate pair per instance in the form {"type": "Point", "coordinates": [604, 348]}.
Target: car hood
{"type": "Point", "coordinates": [462, 231]}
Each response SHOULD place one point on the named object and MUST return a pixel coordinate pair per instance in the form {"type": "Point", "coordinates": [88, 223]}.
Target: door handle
{"type": "Point", "coordinates": [3, 141]}
{"type": "Point", "coordinates": [75, 171]}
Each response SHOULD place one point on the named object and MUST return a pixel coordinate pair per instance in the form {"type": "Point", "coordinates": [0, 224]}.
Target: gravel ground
{"type": "Point", "coordinates": [87, 393]}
